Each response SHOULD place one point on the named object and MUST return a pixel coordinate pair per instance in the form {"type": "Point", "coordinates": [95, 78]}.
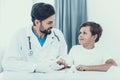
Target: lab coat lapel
{"type": "Point", "coordinates": [34, 40]}
{"type": "Point", "coordinates": [49, 40]}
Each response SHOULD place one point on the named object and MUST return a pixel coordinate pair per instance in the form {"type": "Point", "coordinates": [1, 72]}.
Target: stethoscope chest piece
{"type": "Point", "coordinates": [30, 53]}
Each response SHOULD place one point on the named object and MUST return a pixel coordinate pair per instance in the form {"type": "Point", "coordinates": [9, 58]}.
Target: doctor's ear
{"type": "Point", "coordinates": [37, 22]}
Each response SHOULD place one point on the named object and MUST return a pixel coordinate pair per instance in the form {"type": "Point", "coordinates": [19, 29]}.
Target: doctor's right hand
{"type": "Point", "coordinates": [62, 62]}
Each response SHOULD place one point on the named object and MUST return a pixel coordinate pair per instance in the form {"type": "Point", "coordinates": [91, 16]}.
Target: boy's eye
{"type": "Point", "coordinates": [84, 32]}
{"type": "Point", "coordinates": [79, 32]}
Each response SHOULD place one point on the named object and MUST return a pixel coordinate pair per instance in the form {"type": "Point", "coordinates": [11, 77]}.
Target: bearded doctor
{"type": "Point", "coordinates": [37, 48]}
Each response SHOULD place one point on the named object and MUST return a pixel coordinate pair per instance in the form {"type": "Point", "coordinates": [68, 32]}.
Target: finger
{"type": "Point", "coordinates": [78, 68]}
{"type": "Point", "coordinates": [59, 61]}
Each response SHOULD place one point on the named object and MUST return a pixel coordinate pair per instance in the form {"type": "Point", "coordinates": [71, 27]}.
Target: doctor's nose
{"type": "Point", "coordinates": [52, 25]}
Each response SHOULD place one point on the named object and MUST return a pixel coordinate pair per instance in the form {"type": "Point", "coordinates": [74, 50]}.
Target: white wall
{"type": "Point", "coordinates": [107, 13]}
{"type": "Point", "coordinates": [14, 14]}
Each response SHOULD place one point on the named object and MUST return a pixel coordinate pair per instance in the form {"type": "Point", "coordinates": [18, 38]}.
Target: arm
{"type": "Point", "coordinates": [68, 61]}
{"type": "Point", "coordinates": [62, 62]}
{"type": "Point", "coordinates": [103, 67]}
{"type": "Point", "coordinates": [62, 48]}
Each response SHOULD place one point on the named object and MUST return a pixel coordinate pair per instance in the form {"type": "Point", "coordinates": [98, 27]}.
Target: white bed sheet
{"type": "Point", "coordinates": [62, 75]}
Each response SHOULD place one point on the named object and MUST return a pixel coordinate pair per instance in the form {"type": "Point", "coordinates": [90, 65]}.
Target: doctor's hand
{"type": "Point", "coordinates": [82, 68]}
{"type": "Point", "coordinates": [62, 62]}
{"type": "Point", "coordinates": [43, 68]}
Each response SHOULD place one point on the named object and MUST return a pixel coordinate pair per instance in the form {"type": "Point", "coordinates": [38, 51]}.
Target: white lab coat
{"type": "Point", "coordinates": [18, 58]}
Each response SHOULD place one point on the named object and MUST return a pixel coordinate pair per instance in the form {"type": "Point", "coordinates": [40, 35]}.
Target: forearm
{"type": "Point", "coordinates": [62, 62]}
{"type": "Point", "coordinates": [103, 67]}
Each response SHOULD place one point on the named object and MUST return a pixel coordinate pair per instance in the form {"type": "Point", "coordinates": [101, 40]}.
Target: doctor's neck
{"type": "Point", "coordinates": [37, 32]}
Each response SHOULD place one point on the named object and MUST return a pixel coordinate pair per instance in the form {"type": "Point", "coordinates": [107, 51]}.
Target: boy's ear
{"type": "Point", "coordinates": [95, 36]}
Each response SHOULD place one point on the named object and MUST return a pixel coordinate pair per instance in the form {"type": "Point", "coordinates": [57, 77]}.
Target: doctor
{"type": "Point", "coordinates": [38, 47]}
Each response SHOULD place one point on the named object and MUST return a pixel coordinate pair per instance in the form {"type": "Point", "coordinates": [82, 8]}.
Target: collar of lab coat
{"type": "Point", "coordinates": [35, 41]}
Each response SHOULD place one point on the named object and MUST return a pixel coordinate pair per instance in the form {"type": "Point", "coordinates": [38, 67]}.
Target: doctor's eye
{"type": "Point", "coordinates": [50, 22]}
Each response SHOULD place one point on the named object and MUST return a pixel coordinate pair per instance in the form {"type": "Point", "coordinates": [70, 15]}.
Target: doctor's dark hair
{"type": "Point", "coordinates": [41, 11]}
{"type": "Point", "coordinates": [95, 28]}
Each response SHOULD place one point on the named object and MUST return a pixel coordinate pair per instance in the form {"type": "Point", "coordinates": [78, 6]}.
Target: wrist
{"type": "Point", "coordinates": [86, 68]}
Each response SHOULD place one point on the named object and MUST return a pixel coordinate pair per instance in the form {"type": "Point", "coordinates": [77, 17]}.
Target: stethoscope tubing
{"type": "Point", "coordinates": [30, 47]}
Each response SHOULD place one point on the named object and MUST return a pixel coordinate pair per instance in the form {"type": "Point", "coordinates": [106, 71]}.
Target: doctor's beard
{"type": "Point", "coordinates": [47, 32]}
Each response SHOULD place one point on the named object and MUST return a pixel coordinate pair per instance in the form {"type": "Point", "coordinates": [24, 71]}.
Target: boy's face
{"type": "Point", "coordinates": [86, 36]}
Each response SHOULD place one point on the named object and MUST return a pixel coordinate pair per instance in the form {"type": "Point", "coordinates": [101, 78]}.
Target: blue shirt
{"type": "Point", "coordinates": [41, 40]}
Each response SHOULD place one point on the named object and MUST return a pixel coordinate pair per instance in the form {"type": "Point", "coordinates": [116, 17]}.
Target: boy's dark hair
{"type": "Point", "coordinates": [41, 11]}
{"type": "Point", "coordinates": [95, 28]}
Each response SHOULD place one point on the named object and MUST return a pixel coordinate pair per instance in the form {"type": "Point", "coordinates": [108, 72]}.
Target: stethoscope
{"type": "Point", "coordinates": [30, 47]}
